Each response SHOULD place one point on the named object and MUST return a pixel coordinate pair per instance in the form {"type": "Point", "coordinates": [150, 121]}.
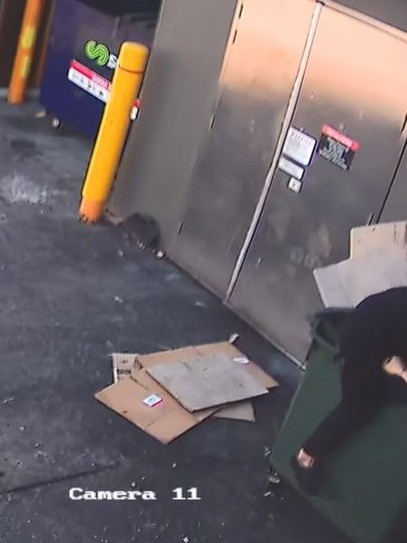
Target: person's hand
{"type": "Point", "coordinates": [395, 366]}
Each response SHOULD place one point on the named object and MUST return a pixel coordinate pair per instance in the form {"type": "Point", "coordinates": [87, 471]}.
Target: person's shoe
{"type": "Point", "coordinates": [309, 479]}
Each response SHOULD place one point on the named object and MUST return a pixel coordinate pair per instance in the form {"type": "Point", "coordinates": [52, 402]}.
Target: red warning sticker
{"type": "Point", "coordinates": [93, 83]}
{"type": "Point", "coordinates": [337, 148]}
{"type": "Point", "coordinates": [341, 138]}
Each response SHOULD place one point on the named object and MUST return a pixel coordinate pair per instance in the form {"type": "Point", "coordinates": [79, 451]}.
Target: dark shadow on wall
{"type": "Point", "coordinates": [144, 140]}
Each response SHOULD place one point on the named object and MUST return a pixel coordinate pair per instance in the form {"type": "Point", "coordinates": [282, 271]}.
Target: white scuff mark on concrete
{"type": "Point", "coordinates": [16, 188]}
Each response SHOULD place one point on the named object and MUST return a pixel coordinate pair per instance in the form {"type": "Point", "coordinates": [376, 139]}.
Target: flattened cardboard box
{"type": "Point", "coordinates": [240, 411]}
{"type": "Point", "coordinates": [125, 364]}
{"type": "Point", "coordinates": [167, 420]}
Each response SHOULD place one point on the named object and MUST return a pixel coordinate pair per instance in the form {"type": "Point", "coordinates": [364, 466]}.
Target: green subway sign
{"type": "Point", "coordinates": [100, 54]}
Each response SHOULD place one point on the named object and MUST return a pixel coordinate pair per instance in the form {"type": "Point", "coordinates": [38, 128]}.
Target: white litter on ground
{"type": "Point", "coordinates": [16, 188]}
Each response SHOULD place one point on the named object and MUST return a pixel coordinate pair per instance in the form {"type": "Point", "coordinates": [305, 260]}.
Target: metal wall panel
{"type": "Point", "coordinates": [179, 92]}
{"type": "Point", "coordinates": [391, 12]}
{"type": "Point", "coordinates": [356, 84]}
{"type": "Point", "coordinates": [257, 81]}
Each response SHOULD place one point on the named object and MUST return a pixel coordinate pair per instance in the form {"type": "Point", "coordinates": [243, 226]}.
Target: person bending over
{"type": "Point", "coordinates": [373, 347]}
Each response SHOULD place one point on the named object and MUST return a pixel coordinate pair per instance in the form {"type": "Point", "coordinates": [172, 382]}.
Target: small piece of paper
{"type": "Point", "coordinates": [241, 360]}
{"type": "Point", "coordinates": [152, 400]}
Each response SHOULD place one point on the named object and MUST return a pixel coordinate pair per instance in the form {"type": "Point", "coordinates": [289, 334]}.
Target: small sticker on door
{"type": "Point", "coordinates": [337, 148]}
{"type": "Point", "coordinates": [291, 168]}
{"type": "Point", "coordinates": [299, 146]}
{"type": "Point", "coordinates": [294, 185]}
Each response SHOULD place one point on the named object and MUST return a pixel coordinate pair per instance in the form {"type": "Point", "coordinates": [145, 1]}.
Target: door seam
{"type": "Point", "coordinates": [392, 182]}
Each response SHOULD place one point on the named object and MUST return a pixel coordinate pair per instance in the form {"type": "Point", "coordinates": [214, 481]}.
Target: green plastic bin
{"type": "Point", "coordinates": [365, 488]}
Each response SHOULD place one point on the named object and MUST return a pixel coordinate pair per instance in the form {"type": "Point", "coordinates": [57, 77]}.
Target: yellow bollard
{"type": "Point", "coordinates": [113, 130]}
{"type": "Point", "coordinates": [25, 51]}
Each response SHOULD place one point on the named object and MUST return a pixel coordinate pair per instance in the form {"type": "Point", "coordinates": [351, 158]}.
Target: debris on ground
{"type": "Point", "coordinates": [141, 229]}
{"type": "Point", "coordinates": [170, 392]}
{"type": "Point", "coordinates": [267, 452]}
{"type": "Point", "coordinates": [123, 365]}
{"type": "Point", "coordinates": [144, 230]}
{"type": "Point", "coordinates": [113, 219]}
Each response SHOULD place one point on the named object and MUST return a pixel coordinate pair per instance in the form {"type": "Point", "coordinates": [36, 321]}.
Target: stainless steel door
{"type": "Point", "coordinates": [356, 87]}
{"type": "Point", "coordinates": [258, 77]}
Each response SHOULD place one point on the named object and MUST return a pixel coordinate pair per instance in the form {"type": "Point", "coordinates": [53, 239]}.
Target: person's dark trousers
{"type": "Point", "coordinates": [361, 401]}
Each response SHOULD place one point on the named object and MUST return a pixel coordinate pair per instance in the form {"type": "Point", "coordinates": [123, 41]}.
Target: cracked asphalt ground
{"type": "Point", "coordinates": [70, 295]}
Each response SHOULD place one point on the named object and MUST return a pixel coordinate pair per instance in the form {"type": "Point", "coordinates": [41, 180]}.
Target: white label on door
{"type": "Point", "coordinates": [295, 185]}
{"type": "Point", "coordinates": [292, 169]}
{"type": "Point", "coordinates": [299, 146]}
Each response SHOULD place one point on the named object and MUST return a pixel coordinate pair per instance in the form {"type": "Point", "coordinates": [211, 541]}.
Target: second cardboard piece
{"type": "Point", "coordinates": [206, 381]}
{"type": "Point", "coordinates": [346, 284]}
{"type": "Point", "coordinates": [373, 239]}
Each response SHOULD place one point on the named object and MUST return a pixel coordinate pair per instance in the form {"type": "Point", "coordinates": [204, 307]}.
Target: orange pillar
{"type": "Point", "coordinates": [25, 51]}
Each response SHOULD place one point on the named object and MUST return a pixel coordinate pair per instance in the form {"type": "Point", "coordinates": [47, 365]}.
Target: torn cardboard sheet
{"type": "Point", "coordinates": [173, 420]}
{"type": "Point", "coordinates": [346, 284]}
{"type": "Point", "coordinates": [207, 381]}
{"type": "Point", "coordinates": [372, 239]}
